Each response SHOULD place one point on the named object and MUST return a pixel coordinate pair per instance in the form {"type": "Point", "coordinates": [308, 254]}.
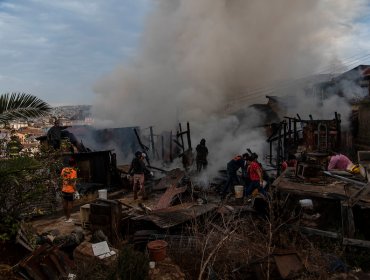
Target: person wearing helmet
{"type": "Point", "coordinates": [202, 153]}
{"type": "Point", "coordinates": [138, 171]}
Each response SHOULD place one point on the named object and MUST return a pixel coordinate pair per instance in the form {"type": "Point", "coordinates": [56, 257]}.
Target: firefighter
{"type": "Point", "coordinates": [202, 153]}
{"type": "Point", "coordinates": [138, 171]}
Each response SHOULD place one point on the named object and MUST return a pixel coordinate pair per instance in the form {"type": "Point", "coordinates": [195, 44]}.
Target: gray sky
{"type": "Point", "coordinates": [58, 50]}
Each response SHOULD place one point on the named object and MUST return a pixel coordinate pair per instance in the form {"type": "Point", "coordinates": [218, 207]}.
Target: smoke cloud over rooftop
{"type": "Point", "coordinates": [196, 57]}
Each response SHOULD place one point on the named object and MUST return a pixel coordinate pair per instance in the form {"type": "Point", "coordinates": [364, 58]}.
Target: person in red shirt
{"type": "Point", "coordinates": [291, 162]}
{"type": "Point", "coordinates": [254, 171]}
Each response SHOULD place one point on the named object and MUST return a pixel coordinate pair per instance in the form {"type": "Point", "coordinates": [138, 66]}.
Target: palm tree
{"type": "Point", "coordinates": [21, 106]}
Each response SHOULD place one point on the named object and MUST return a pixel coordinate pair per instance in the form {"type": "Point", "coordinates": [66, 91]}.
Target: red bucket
{"type": "Point", "coordinates": [157, 250]}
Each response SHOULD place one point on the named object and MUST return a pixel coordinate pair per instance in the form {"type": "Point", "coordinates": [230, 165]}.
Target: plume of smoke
{"type": "Point", "coordinates": [196, 55]}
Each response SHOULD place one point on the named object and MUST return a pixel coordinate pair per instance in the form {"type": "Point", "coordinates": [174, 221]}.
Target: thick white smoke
{"type": "Point", "coordinates": [197, 55]}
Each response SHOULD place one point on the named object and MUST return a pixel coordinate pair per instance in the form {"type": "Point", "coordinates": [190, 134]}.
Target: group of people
{"type": "Point", "coordinates": [252, 175]}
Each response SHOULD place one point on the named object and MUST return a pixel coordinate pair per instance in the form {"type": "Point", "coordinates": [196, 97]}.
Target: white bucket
{"type": "Point", "coordinates": [306, 203]}
{"type": "Point", "coordinates": [102, 193]}
{"type": "Point", "coordinates": [239, 191]}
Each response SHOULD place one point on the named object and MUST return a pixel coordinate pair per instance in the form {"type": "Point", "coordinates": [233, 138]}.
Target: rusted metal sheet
{"type": "Point", "coordinates": [166, 199]}
{"type": "Point", "coordinates": [172, 178]}
{"type": "Point", "coordinates": [172, 216]}
{"type": "Point", "coordinates": [46, 262]}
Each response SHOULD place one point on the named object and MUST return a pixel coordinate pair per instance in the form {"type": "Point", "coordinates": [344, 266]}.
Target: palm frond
{"type": "Point", "coordinates": [21, 105]}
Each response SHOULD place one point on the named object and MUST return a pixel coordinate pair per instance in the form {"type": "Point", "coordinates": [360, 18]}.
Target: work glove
{"type": "Point", "coordinates": [76, 195]}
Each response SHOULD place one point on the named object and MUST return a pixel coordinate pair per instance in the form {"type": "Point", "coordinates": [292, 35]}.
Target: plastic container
{"type": "Point", "coordinates": [85, 213]}
{"type": "Point", "coordinates": [151, 265]}
{"type": "Point", "coordinates": [306, 203]}
{"type": "Point", "coordinates": [157, 250]}
{"type": "Point", "coordinates": [103, 193]}
{"type": "Point", "coordinates": [239, 191]}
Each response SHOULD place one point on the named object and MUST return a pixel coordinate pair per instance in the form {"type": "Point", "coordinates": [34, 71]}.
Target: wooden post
{"type": "Point", "coordinates": [270, 152]}
{"type": "Point", "coordinates": [182, 138]}
{"type": "Point", "coordinates": [285, 142]}
{"type": "Point", "coordinates": [171, 157]}
{"type": "Point", "coordinates": [188, 134]}
{"type": "Point", "coordinates": [162, 138]}
{"type": "Point", "coordinates": [279, 149]}
{"type": "Point", "coordinates": [152, 141]}
{"type": "Point", "coordinates": [348, 224]}
{"type": "Point", "coordinates": [295, 133]}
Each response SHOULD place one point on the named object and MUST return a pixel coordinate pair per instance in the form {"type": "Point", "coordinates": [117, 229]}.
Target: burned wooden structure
{"type": "Point", "coordinates": [314, 136]}
{"type": "Point", "coordinates": [186, 150]}
{"type": "Point", "coordinates": [342, 205]}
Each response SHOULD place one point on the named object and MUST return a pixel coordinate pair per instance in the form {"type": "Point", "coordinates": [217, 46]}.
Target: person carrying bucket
{"type": "Point", "coordinates": [232, 178]}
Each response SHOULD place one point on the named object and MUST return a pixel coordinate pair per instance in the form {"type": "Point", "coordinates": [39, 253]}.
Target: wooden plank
{"type": "Point", "coordinates": [356, 242]}
{"type": "Point", "coordinates": [348, 224]}
{"type": "Point", "coordinates": [315, 231]}
{"type": "Point", "coordinates": [355, 198]}
{"type": "Point", "coordinates": [167, 197]}
{"type": "Point", "coordinates": [171, 178]}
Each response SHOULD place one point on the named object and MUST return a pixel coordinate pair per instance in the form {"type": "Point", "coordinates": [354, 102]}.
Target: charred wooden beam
{"type": "Point", "coordinates": [188, 135]}
{"type": "Point", "coordinates": [319, 232]}
{"type": "Point", "coordinates": [354, 199]}
{"type": "Point", "coordinates": [356, 242]}
{"type": "Point", "coordinates": [180, 134]}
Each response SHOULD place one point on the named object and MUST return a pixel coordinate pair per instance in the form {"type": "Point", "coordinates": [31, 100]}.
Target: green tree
{"type": "Point", "coordinates": [21, 106]}
{"type": "Point", "coordinates": [22, 179]}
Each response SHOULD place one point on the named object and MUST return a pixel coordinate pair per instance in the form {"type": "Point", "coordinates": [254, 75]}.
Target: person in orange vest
{"type": "Point", "coordinates": [69, 179]}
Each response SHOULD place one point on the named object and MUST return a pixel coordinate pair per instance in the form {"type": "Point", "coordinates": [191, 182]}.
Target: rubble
{"type": "Point", "coordinates": [255, 237]}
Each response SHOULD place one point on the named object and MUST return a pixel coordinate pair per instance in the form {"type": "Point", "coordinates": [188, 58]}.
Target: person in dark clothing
{"type": "Point", "coordinates": [138, 171]}
{"type": "Point", "coordinates": [202, 153]}
{"type": "Point", "coordinates": [54, 135]}
{"type": "Point", "coordinates": [232, 178]}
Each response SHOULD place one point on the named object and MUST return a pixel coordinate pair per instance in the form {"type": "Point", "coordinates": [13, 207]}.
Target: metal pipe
{"type": "Point", "coordinates": [357, 183]}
